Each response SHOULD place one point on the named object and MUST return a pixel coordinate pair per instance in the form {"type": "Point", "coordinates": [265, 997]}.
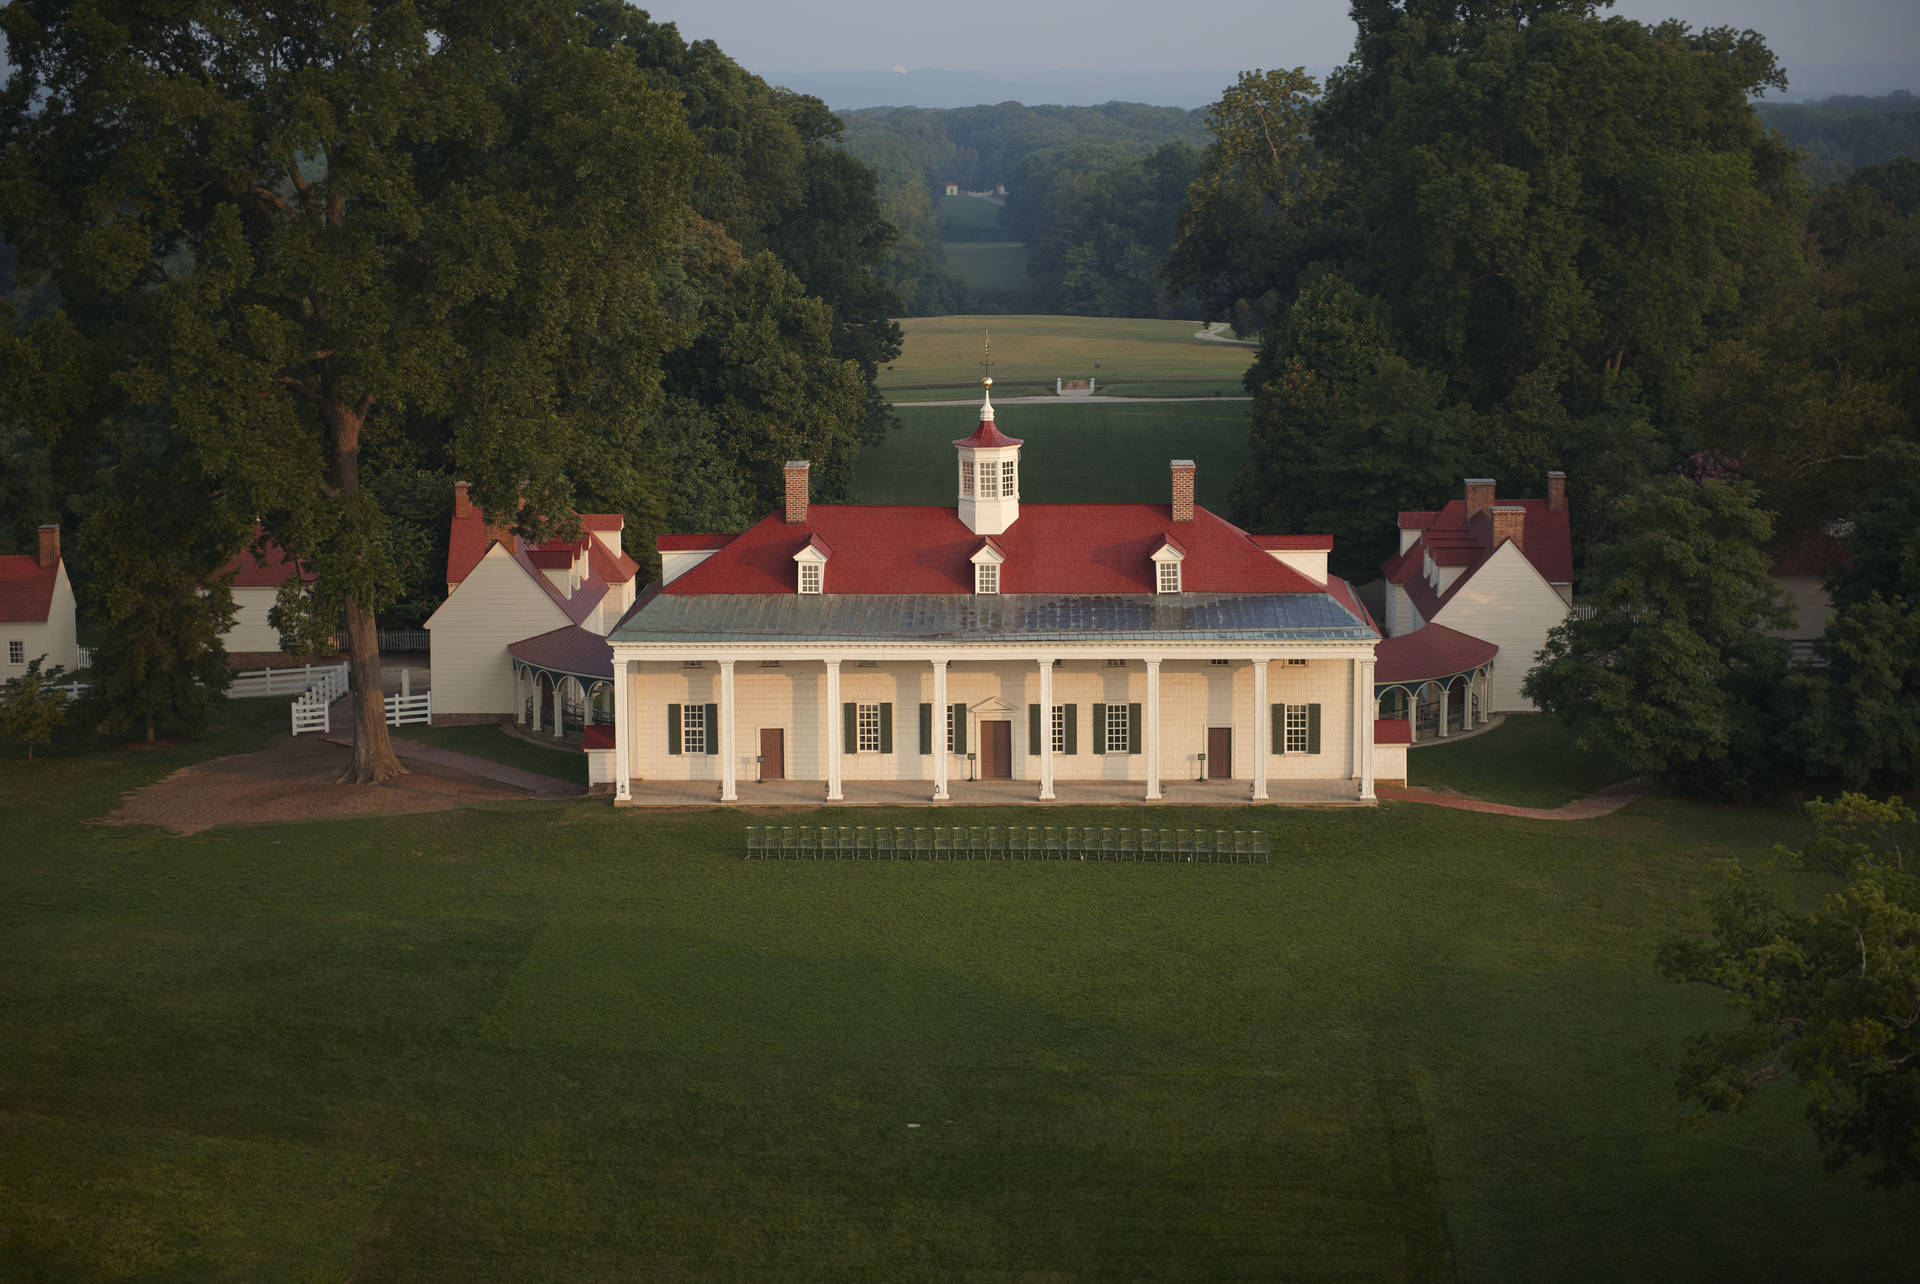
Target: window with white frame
{"type": "Point", "coordinates": [1116, 664]}
{"type": "Point", "coordinates": [691, 664]}
{"type": "Point", "coordinates": [989, 481]}
{"type": "Point", "coordinates": [1296, 728]}
{"type": "Point", "coordinates": [810, 577]}
{"type": "Point", "coordinates": [1169, 581]}
{"type": "Point", "coordinates": [966, 477]}
{"type": "Point", "coordinates": [1006, 478]}
{"type": "Point", "coordinates": [1118, 728]}
{"type": "Point", "coordinates": [1296, 664]}
{"type": "Point", "coordinates": [986, 578]}
{"type": "Point", "coordinates": [867, 722]}
{"type": "Point", "coordinates": [693, 728]}
{"type": "Point", "coordinates": [1059, 728]}
{"type": "Point", "coordinates": [16, 651]}
{"type": "Point", "coordinates": [949, 728]}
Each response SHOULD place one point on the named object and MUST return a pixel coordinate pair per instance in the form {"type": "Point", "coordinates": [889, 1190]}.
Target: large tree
{"type": "Point", "coordinates": [1828, 999]}
{"type": "Point", "coordinates": [1672, 673]}
{"type": "Point", "coordinates": [297, 229]}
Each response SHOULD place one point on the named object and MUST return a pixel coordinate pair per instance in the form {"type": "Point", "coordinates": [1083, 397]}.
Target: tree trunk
{"type": "Point", "coordinates": [149, 728]}
{"type": "Point", "coordinates": [373, 756]}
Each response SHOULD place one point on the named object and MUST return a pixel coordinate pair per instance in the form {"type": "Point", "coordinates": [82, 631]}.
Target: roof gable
{"type": "Point", "coordinates": [26, 589]}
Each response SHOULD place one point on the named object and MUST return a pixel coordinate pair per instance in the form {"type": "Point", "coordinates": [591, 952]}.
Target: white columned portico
{"type": "Point", "coordinates": [833, 731]}
{"type": "Point", "coordinates": [622, 717]}
{"type": "Point", "coordinates": [1363, 701]}
{"type": "Point", "coordinates": [1153, 729]}
{"type": "Point", "coordinates": [1261, 732]}
{"type": "Point", "coordinates": [1046, 728]}
{"type": "Point", "coordinates": [939, 730]}
{"type": "Point", "coordinates": [729, 761]}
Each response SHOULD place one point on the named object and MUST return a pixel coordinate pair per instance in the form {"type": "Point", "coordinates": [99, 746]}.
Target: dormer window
{"type": "Point", "coordinates": [986, 567]}
{"type": "Point", "coordinates": [1166, 565]}
{"type": "Point", "coordinates": [811, 561]}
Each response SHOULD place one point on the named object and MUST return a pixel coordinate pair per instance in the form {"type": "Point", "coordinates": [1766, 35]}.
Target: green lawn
{"type": "Point", "coordinates": [1030, 352]}
{"type": "Point", "coordinates": [558, 1042]}
{"type": "Point", "coordinates": [968, 218]}
{"type": "Point", "coordinates": [1132, 443]}
{"type": "Point", "coordinates": [1529, 760]}
{"type": "Point", "coordinates": [487, 741]}
{"type": "Point", "coordinates": [996, 271]}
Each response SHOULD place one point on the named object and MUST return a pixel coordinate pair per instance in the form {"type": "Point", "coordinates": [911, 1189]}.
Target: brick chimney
{"type": "Point", "coordinates": [1556, 492]}
{"type": "Point", "coordinates": [796, 492]}
{"type": "Point", "coordinates": [1182, 490]}
{"type": "Point", "coordinates": [1479, 495]}
{"type": "Point", "coordinates": [462, 505]}
{"type": "Point", "coordinates": [1510, 523]}
{"type": "Point", "coordinates": [49, 547]}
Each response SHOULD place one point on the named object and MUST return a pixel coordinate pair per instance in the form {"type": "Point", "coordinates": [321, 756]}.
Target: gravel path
{"type": "Point", "coordinates": [1604, 803]}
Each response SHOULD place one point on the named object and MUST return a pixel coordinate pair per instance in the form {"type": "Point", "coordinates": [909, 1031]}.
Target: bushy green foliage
{"type": "Point", "coordinates": [31, 708]}
{"type": "Point", "coordinates": [1671, 673]}
{"type": "Point", "coordinates": [1847, 131]}
{"type": "Point", "coordinates": [1829, 998]}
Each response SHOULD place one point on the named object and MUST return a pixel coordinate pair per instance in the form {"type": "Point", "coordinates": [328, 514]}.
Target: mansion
{"type": "Point", "coordinates": [992, 639]}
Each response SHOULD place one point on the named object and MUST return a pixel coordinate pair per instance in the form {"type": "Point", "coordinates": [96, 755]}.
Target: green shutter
{"type": "Point", "coordinates": [1033, 729]}
{"type": "Point", "coordinates": [1133, 728]}
{"type": "Point", "coordinates": [1099, 728]}
{"type": "Point", "coordinates": [713, 728]}
{"type": "Point", "coordinates": [1279, 728]}
{"type": "Point", "coordinates": [1313, 728]}
{"type": "Point", "coordinates": [849, 728]}
{"type": "Point", "coordinates": [1070, 714]}
{"type": "Point", "coordinates": [886, 727]}
{"type": "Point", "coordinates": [926, 728]}
{"type": "Point", "coordinates": [673, 728]}
{"type": "Point", "coordinates": [959, 728]}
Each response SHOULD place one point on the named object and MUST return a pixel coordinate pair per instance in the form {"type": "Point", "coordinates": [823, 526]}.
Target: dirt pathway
{"type": "Point", "coordinates": [1604, 803]}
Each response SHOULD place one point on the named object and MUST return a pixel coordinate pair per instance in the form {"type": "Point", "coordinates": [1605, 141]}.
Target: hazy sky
{"type": "Point", "coordinates": [771, 36]}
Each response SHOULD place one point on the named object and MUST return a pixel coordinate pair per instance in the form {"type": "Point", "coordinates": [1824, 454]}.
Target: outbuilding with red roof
{"type": "Point", "coordinates": [37, 618]}
{"type": "Point", "coordinates": [867, 647]}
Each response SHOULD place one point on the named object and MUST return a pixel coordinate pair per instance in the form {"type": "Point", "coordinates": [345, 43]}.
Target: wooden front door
{"type": "Point", "coordinates": [1219, 753]}
{"type": "Point", "coordinates": [996, 751]}
{"type": "Point", "coordinates": [773, 753]}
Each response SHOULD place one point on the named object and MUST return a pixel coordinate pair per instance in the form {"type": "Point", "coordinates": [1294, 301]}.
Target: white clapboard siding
{"type": "Point", "coordinates": [1508, 604]}
{"type": "Point", "coordinates": [495, 605]}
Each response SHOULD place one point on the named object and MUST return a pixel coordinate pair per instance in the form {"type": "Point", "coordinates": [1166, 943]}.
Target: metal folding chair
{"type": "Point", "coordinates": [1260, 846]}
{"type": "Point", "coordinates": [942, 842]}
{"type": "Point", "coordinates": [922, 841]}
{"type": "Point", "coordinates": [976, 842]}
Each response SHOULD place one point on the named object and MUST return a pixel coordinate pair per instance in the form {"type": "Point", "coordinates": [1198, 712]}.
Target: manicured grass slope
{"type": "Point", "coordinates": [1529, 760]}
{"type": "Point", "coordinates": [558, 1042]}
{"type": "Point", "coordinates": [496, 745]}
{"type": "Point", "coordinates": [992, 269]}
{"type": "Point", "coordinates": [1029, 352]}
{"type": "Point", "coordinates": [1075, 452]}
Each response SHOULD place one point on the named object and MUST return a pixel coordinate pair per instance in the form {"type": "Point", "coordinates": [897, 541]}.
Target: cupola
{"type": "Point", "coordinates": [989, 473]}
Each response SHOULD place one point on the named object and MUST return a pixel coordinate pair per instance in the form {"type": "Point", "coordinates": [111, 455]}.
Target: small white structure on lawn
{"type": "Point", "coordinates": [37, 617]}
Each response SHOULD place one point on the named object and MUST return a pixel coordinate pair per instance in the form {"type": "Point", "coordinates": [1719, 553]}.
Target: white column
{"type": "Point", "coordinates": [559, 707]}
{"type": "Point", "coordinates": [939, 730]}
{"type": "Point", "coordinates": [1262, 728]}
{"type": "Point", "coordinates": [1366, 741]}
{"type": "Point", "coordinates": [729, 760]}
{"type": "Point", "coordinates": [1046, 728]}
{"type": "Point", "coordinates": [622, 733]}
{"type": "Point", "coordinates": [533, 699]}
{"type": "Point", "coordinates": [833, 731]}
{"type": "Point", "coordinates": [519, 696]}
{"type": "Point", "coordinates": [1152, 737]}
{"type": "Point", "coordinates": [1446, 691]}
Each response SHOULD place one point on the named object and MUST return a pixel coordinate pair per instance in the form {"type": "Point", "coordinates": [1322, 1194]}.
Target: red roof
{"type": "Point", "coordinates": [988, 435]}
{"type": "Point", "coordinates": [690, 543]}
{"type": "Point", "coordinates": [1431, 651]}
{"type": "Point", "coordinates": [1392, 731]}
{"type": "Point", "coordinates": [1457, 540]}
{"type": "Point", "coordinates": [269, 568]}
{"type": "Point", "coordinates": [568, 649]}
{"type": "Point", "coordinates": [26, 591]}
{"type": "Point", "coordinates": [597, 736]}
{"type": "Point", "coordinates": [1052, 548]}
{"type": "Point", "coordinates": [1294, 543]}
{"type": "Point", "coordinates": [469, 539]}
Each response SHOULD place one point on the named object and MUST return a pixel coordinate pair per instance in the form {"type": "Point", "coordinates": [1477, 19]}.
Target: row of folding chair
{"type": "Point", "coordinates": [1005, 842]}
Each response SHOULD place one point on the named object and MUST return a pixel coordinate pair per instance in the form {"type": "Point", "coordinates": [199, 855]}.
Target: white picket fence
{"type": "Point", "coordinates": [256, 683]}
{"type": "Point", "coordinates": [312, 708]}
{"type": "Point", "coordinates": [407, 708]}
